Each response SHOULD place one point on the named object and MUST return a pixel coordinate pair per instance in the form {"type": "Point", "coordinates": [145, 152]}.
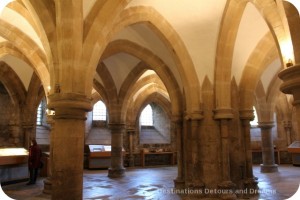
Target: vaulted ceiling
{"type": "Point", "coordinates": [196, 22]}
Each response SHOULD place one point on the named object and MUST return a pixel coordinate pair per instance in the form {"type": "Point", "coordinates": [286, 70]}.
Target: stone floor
{"type": "Point", "coordinates": [156, 184]}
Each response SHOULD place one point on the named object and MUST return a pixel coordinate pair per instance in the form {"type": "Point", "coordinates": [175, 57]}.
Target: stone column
{"type": "Point", "coordinates": [193, 171]}
{"type": "Point", "coordinates": [291, 85]}
{"type": "Point", "coordinates": [178, 129]}
{"type": "Point", "coordinates": [246, 116]}
{"type": "Point", "coordinates": [268, 164]}
{"type": "Point", "coordinates": [117, 169]}
{"type": "Point", "coordinates": [68, 144]}
{"type": "Point", "coordinates": [288, 131]}
{"type": "Point", "coordinates": [28, 135]}
{"type": "Point", "coordinates": [48, 181]}
{"type": "Point", "coordinates": [224, 116]}
{"type": "Point", "coordinates": [131, 132]}
{"type": "Point", "coordinates": [186, 152]}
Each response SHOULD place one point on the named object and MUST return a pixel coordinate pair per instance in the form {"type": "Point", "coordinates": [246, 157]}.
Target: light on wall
{"type": "Point", "coordinates": [287, 52]}
{"type": "Point", "coordinates": [3, 4]}
{"type": "Point", "coordinates": [289, 63]}
{"type": "Point", "coordinates": [48, 90]}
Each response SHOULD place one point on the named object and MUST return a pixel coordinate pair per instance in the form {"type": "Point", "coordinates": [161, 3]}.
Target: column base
{"type": "Point", "coordinates": [116, 172]}
{"type": "Point", "coordinates": [179, 183]}
{"type": "Point", "coordinates": [268, 168]}
{"type": "Point", "coordinates": [47, 186]}
{"type": "Point", "coordinates": [250, 183]}
{"type": "Point", "coordinates": [227, 188]}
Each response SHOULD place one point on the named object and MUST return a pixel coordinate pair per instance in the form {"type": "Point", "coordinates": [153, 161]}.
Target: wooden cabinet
{"type": "Point", "coordinates": [294, 149]}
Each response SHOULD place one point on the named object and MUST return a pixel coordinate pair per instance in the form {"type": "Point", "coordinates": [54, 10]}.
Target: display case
{"type": "Point", "coordinates": [294, 149]}
{"type": "Point", "coordinates": [13, 165]}
{"type": "Point", "coordinates": [100, 156]}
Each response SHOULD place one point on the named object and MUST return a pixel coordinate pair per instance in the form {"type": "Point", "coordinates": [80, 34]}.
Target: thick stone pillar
{"type": "Point", "coordinates": [68, 144]}
{"type": "Point", "coordinates": [288, 131]}
{"type": "Point", "coordinates": [246, 116]}
{"type": "Point", "coordinates": [178, 129]}
{"type": "Point", "coordinates": [194, 171]}
{"type": "Point", "coordinates": [224, 116]}
{"type": "Point", "coordinates": [291, 85]}
{"type": "Point", "coordinates": [116, 169]}
{"type": "Point", "coordinates": [268, 164]}
{"type": "Point", "coordinates": [131, 132]}
{"type": "Point", "coordinates": [48, 181]}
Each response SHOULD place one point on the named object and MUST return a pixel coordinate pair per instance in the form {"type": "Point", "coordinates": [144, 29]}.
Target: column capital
{"type": "Point", "coordinates": [266, 125]}
{"type": "Point", "coordinates": [130, 129]}
{"type": "Point", "coordinates": [69, 100]}
{"type": "Point", "coordinates": [247, 114]}
{"type": "Point", "coordinates": [69, 105]}
{"type": "Point", "coordinates": [223, 113]}
{"type": "Point", "coordinates": [195, 115]}
{"type": "Point", "coordinates": [176, 118]}
{"type": "Point", "coordinates": [291, 81]}
{"type": "Point", "coordinates": [116, 126]}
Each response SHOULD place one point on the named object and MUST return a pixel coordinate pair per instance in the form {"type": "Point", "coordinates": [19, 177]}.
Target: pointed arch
{"type": "Point", "coordinates": [172, 41]}
{"type": "Point", "coordinates": [13, 84]}
{"type": "Point", "coordinates": [41, 16]}
{"type": "Point", "coordinates": [97, 27]}
{"type": "Point", "coordinates": [263, 55]}
{"type": "Point", "coordinates": [28, 48]}
{"type": "Point", "coordinates": [154, 63]}
{"type": "Point", "coordinates": [232, 15]}
{"type": "Point", "coordinates": [108, 83]}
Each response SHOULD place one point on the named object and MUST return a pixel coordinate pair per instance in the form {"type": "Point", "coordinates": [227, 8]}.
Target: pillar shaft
{"type": "Point", "coordinates": [196, 153]}
{"type": "Point", "coordinates": [249, 181]}
{"type": "Point", "coordinates": [193, 169]}
{"type": "Point", "coordinates": [117, 169]}
{"type": "Point", "coordinates": [248, 150]}
{"type": "Point", "coordinates": [131, 146]}
{"type": "Point", "coordinates": [291, 85]}
{"type": "Point", "coordinates": [68, 144]}
{"type": "Point", "coordinates": [288, 130]}
{"type": "Point", "coordinates": [225, 150]}
{"type": "Point", "coordinates": [224, 115]}
{"type": "Point", "coordinates": [297, 105]}
{"type": "Point", "coordinates": [268, 164]}
{"type": "Point", "coordinates": [187, 153]}
{"type": "Point", "coordinates": [48, 181]}
{"type": "Point", "coordinates": [179, 181]}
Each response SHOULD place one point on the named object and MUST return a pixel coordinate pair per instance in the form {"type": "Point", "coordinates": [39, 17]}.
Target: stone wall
{"type": "Point", "coordinates": [5, 115]}
{"type": "Point", "coordinates": [9, 123]}
{"type": "Point", "coordinates": [161, 121]}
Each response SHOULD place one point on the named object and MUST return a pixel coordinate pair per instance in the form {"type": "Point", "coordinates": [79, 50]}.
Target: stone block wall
{"type": "Point", "coordinates": [161, 121]}
{"type": "Point", "coordinates": [7, 121]}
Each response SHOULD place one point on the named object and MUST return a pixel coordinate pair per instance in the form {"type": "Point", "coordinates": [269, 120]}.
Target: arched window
{"type": "Point", "coordinates": [99, 111]}
{"type": "Point", "coordinates": [255, 121]}
{"type": "Point", "coordinates": [39, 116]}
{"type": "Point", "coordinates": [146, 118]}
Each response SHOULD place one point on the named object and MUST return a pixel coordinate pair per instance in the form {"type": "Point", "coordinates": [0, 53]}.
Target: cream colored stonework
{"type": "Point", "coordinates": [81, 53]}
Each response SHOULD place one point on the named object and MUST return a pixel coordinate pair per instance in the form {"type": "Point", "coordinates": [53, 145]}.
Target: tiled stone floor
{"type": "Point", "coordinates": [151, 184]}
